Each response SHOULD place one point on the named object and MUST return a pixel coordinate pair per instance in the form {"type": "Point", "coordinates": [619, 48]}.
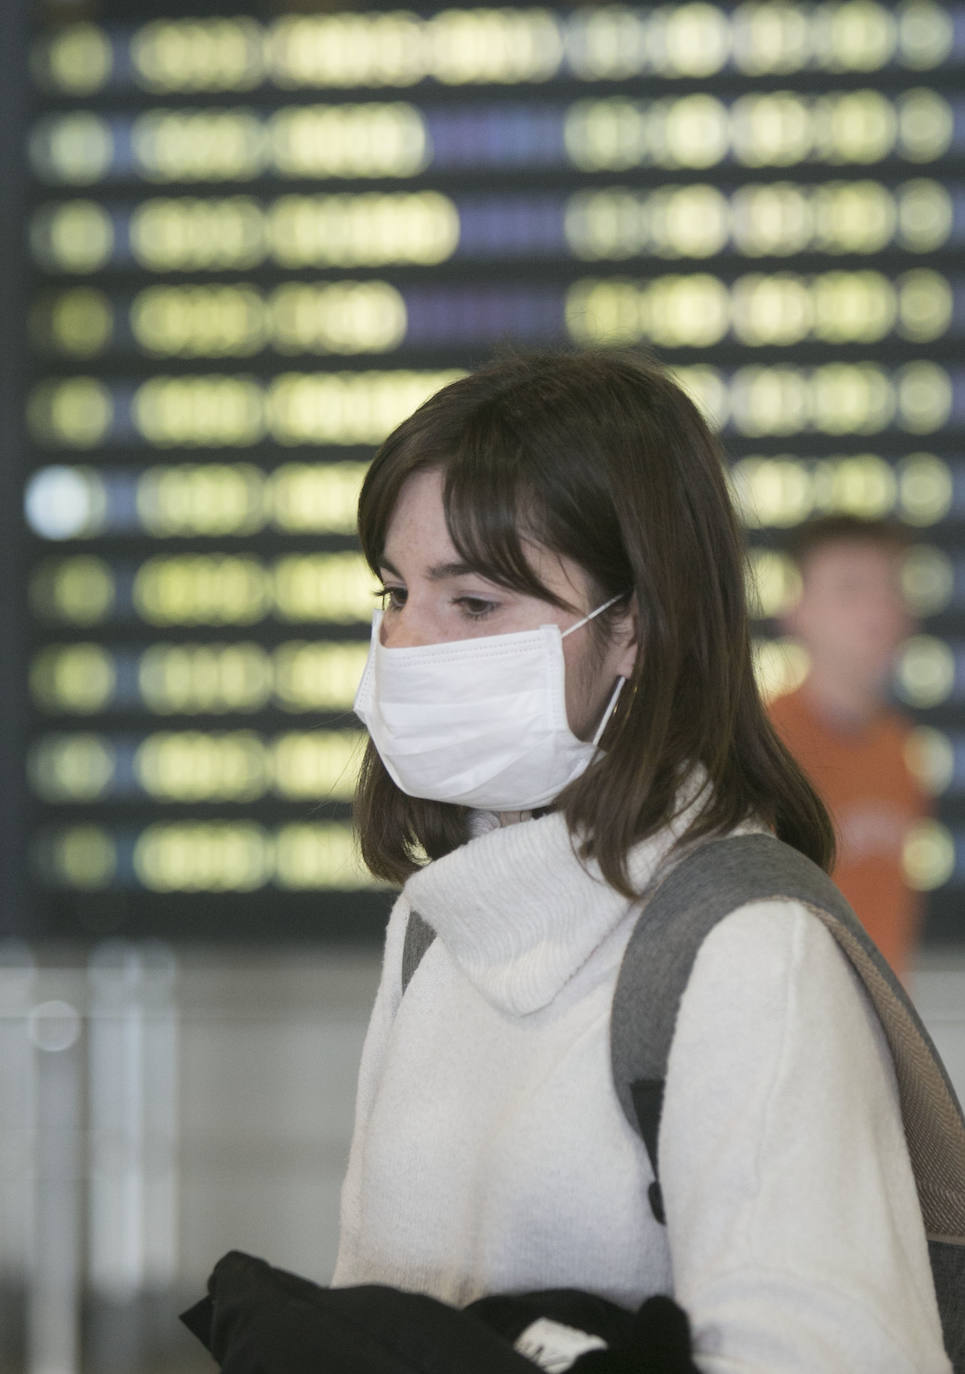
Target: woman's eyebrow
{"type": "Point", "coordinates": [438, 572]}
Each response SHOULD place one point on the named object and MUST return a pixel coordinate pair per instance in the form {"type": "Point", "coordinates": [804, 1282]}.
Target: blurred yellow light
{"type": "Point", "coordinates": [770, 38]}
{"type": "Point", "coordinates": [368, 229]}
{"type": "Point", "coordinates": [862, 485]}
{"type": "Point", "coordinates": [927, 579]}
{"type": "Point", "coordinates": [850, 398]}
{"type": "Point", "coordinates": [76, 413]}
{"type": "Point", "coordinates": [193, 766]}
{"type": "Point", "coordinates": [696, 39]}
{"type": "Point", "coordinates": [672, 311]}
{"type": "Point", "coordinates": [606, 135]}
{"type": "Point", "coordinates": [609, 43]}
{"type": "Point", "coordinates": [854, 126]}
{"type": "Point", "coordinates": [317, 765]}
{"type": "Point", "coordinates": [925, 215]}
{"type": "Point", "coordinates": [772, 130]}
{"type": "Point", "coordinates": [853, 217]}
{"type": "Point", "coordinates": [776, 218]}
{"type": "Point", "coordinates": [371, 140]}
{"type": "Point", "coordinates": [200, 412]}
{"type": "Point", "coordinates": [926, 34]}
{"type": "Point", "coordinates": [344, 317]}
{"type": "Point", "coordinates": [70, 768]}
{"type": "Point", "coordinates": [772, 309]}
{"type": "Point", "coordinates": [780, 665]}
{"type": "Point", "coordinates": [926, 671]}
{"type": "Point", "coordinates": [925, 489]}
{"type": "Point", "coordinates": [202, 499]}
{"type": "Point", "coordinates": [834, 398]}
{"type": "Point", "coordinates": [198, 55]}
{"type": "Point", "coordinates": [773, 583]}
{"type": "Point", "coordinates": [708, 390]}
{"type": "Point", "coordinates": [930, 755]}
{"type": "Point", "coordinates": [783, 491]}
{"type": "Point", "coordinates": [690, 221]}
{"type": "Point", "coordinates": [672, 221]}
{"type": "Point", "coordinates": [77, 59]}
{"type": "Point", "coordinates": [204, 856]}
{"type": "Point", "coordinates": [75, 149]}
{"type": "Point", "coordinates": [78, 590]}
{"type": "Point", "coordinates": [926, 123]}
{"type": "Point", "coordinates": [76, 236]}
{"type": "Point", "coordinates": [78, 322]}
{"type": "Point", "coordinates": [346, 407]}
{"type": "Point", "coordinates": [771, 491]}
{"type": "Point", "coordinates": [347, 50]}
{"type": "Point", "coordinates": [853, 307]}
{"type": "Point", "coordinates": [928, 856]}
{"type": "Point", "coordinates": [598, 310]}
{"type": "Point", "coordinates": [691, 131]}
{"type": "Point", "coordinates": [318, 677]}
{"type": "Point", "coordinates": [317, 497]}
{"type": "Point", "coordinates": [769, 400]}
{"type": "Point", "coordinates": [691, 310]}
{"type": "Point", "coordinates": [925, 305]}
{"type": "Point", "coordinates": [200, 145]}
{"type": "Point", "coordinates": [335, 587]}
{"type": "Point", "coordinates": [188, 234]}
{"type": "Point", "coordinates": [319, 855]}
{"type": "Point", "coordinates": [200, 321]}
{"type": "Point", "coordinates": [488, 45]}
{"type": "Point", "coordinates": [209, 678]}
{"type": "Point", "coordinates": [81, 856]}
{"type": "Point", "coordinates": [201, 589]}
{"type": "Point", "coordinates": [74, 679]}
{"type": "Point", "coordinates": [857, 36]}
{"type": "Point", "coordinates": [924, 397]}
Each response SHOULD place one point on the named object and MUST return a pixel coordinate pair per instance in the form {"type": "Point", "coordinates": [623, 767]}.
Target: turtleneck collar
{"type": "Point", "coordinates": [520, 913]}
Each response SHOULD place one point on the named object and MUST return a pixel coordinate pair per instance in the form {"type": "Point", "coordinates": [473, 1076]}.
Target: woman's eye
{"type": "Point", "coordinates": [475, 607]}
{"type": "Point", "coordinates": [392, 598]}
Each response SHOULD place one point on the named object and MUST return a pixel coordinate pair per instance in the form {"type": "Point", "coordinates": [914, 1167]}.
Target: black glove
{"type": "Point", "coordinates": [654, 1340]}
{"type": "Point", "coordinates": [659, 1343]}
{"type": "Point", "coordinates": [260, 1320]}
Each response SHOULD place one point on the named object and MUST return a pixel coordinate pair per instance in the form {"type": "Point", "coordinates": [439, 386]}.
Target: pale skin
{"type": "Point", "coordinates": [432, 597]}
{"type": "Point", "coordinates": [851, 617]}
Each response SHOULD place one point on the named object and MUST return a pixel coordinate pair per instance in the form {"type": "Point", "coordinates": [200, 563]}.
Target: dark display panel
{"type": "Point", "coordinates": [254, 244]}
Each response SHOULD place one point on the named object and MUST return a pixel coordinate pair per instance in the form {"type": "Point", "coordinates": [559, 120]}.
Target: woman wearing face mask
{"type": "Point", "coordinates": [560, 701]}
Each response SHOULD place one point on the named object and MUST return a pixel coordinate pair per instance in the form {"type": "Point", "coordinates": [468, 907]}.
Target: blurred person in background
{"type": "Point", "coordinates": [841, 725]}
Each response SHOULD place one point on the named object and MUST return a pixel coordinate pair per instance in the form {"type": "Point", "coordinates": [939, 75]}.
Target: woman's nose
{"type": "Point", "coordinates": [404, 629]}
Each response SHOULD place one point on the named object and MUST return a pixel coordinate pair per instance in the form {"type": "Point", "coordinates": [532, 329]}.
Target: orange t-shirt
{"type": "Point", "coordinates": [874, 799]}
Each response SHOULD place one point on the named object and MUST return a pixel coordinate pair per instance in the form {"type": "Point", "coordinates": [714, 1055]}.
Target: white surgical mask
{"type": "Point", "coordinates": [481, 722]}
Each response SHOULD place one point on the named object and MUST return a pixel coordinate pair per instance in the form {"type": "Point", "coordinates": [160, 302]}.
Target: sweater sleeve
{"type": "Point", "coordinates": [377, 1035]}
{"type": "Point", "coordinates": [795, 1233]}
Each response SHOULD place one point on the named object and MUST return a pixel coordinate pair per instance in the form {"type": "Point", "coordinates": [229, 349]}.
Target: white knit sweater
{"type": "Point", "coordinates": [491, 1153]}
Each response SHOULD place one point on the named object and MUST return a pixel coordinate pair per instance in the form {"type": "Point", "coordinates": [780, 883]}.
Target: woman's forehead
{"type": "Point", "coordinates": [418, 535]}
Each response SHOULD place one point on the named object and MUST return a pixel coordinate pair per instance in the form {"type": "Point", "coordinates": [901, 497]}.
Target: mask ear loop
{"type": "Point", "coordinates": [621, 681]}
{"type": "Point", "coordinates": [593, 614]}
{"type": "Point", "coordinates": [607, 714]}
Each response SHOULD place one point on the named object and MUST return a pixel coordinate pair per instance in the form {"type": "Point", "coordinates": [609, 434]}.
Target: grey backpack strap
{"type": "Point", "coordinates": [419, 935]}
{"type": "Point", "coordinates": [716, 878]}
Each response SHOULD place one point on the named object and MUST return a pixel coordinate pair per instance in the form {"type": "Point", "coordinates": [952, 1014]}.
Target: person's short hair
{"type": "Point", "coordinates": [602, 458]}
{"type": "Point", "coordinates": [821, 531]}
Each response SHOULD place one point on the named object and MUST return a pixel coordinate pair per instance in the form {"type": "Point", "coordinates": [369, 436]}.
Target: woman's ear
{"type": "Point", "coordinates": [627, 633]}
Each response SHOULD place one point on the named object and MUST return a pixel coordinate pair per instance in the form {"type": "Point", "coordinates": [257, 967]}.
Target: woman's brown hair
{"type": "Point", "coordinates": [601, 458]}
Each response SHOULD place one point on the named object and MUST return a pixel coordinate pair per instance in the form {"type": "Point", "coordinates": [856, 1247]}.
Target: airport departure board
{"type": "Point", "coordinates": [255, 242]}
